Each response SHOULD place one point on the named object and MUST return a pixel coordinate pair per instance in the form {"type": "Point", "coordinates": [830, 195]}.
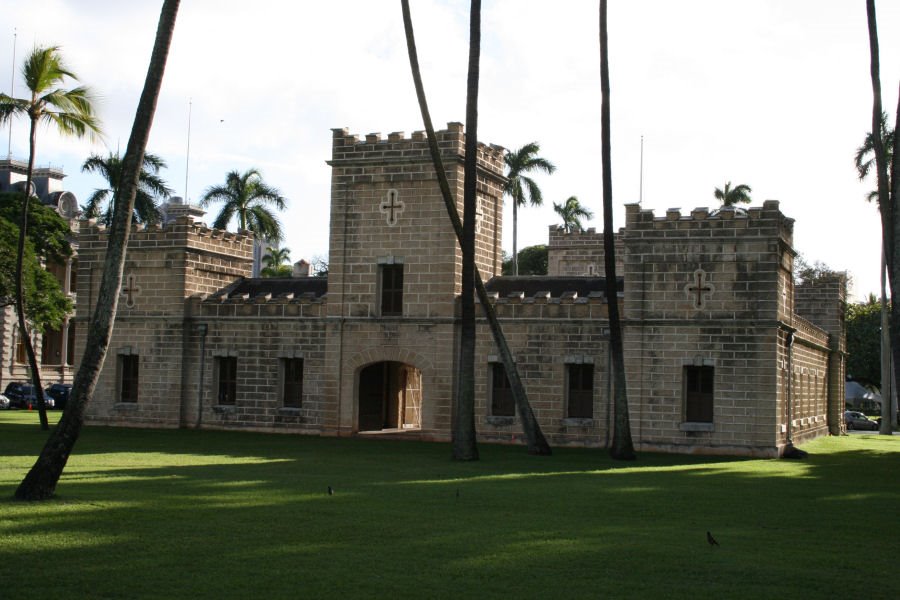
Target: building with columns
{"type": "Point", "coordinates": [54, 348]}
{"type": "Point", "coordinates": [725, 353]}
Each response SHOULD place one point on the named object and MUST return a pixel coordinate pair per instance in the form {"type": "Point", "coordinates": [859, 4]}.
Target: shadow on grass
{"type": "Point", "coordinates": [218, 514]}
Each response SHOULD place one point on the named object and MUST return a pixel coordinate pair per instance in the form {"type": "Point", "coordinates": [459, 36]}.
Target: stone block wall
{"type": "Point", "coordinates": [581, 253]}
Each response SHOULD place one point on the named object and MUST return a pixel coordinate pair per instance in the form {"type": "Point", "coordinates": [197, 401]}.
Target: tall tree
{"type": "Point", "coordinates": [247, 197]}
{"type": "Point", "coordinates": [522, 188]}
{"type": "Point", "coordinates": [40, 482]}
{"type": "Point", "coordinates": [537, 443]}
{"type": "Point", "coordinates": [48, 242]}
{"type": "Point", "coordinates": [622, 447]}
{"type": "Point", "coordinates": [888, 191]}
{"type": "Point", "coordinates": [571, 212]}
{"type": "Point", "coordinates": [729, 196]}
{"type": "Point", "coordinates": [275, 260]}
{"type": "Point", "coordinates": [152, 189]}
{"type": "Point", "coordinates": [71, 112]}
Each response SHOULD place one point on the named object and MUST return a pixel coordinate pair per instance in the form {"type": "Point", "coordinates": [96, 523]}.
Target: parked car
{"type": "Point", "coordinates": [60, 393]}
{"type": "Point", "coordinates": [4, 402]}
{"type": "Point", "coordinates": [21, 395]}
{"type": "Point", "coordinates": [856, 420]}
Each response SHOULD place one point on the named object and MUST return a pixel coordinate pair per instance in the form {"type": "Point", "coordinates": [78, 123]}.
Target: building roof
{"type": "Point", "coordinates": [314, 287]}
{"type": "Point", "coordinates": [531, 285]}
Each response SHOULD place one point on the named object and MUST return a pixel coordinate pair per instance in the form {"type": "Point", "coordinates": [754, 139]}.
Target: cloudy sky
{"type": "Point", "coordinates": [772, 93]}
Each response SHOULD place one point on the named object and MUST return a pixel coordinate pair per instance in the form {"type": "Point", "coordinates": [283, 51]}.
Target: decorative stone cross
{"type": "Point", "coordinates": [392, 206]}
{"type": "Point", "coordinates": [130, 291]}
{"type": "Point", "coordinates": [699, 289]}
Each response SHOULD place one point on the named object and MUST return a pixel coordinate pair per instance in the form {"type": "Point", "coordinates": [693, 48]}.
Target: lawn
{"type": "Point", "coordinates": [203, 514]}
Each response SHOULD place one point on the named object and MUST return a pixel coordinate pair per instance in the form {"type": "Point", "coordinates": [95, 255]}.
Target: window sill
{"type": "Point", "coordinates": [500, 421]}
{"type": "Point", "coordinates": [224, 408]}
{"type": "Point", "coordinates": [126, 406]}
{"type": "Point", "coordinates": [289, 410]}
{"type": "Point", "coordinates": [690, 426]}
{"type": "Point", "coordinates": [577, 422]}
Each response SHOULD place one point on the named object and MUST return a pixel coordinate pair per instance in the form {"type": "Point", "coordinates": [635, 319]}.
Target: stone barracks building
{"type": "Point", "coordinates": [725, 355]}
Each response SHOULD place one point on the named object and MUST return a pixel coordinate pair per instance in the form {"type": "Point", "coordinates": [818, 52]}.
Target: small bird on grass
{"type": "Point", "coordinates": [712, 541]}
{"type": "Point", "coordinates": [330, 491]}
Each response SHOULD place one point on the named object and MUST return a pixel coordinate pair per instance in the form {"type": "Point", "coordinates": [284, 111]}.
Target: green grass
{"type": "Point", "coordinates": [188, 514]}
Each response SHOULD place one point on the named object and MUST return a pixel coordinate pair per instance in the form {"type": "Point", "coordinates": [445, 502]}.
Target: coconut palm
{"type": "Point", "coordinates": [246, 196]}
{"type": "Point", "coordinates": [729, 196]}
{"type": "Point", "coordinates": [150, 191]}
{"type": "Point", "coordinates": [571, 213]}
{"type": "Point", "coordinates": [522, 188]}
{"type": "Point", "coordinates": [40, 482]}
{"type": "Point", "coordinates": [622, 447]}
{"type": "Point", "coordinates": [275, 260]}
{"type": "Point", "coordinates": [72, 113]}
{"type": "Point", "coordinates": [865, 154]}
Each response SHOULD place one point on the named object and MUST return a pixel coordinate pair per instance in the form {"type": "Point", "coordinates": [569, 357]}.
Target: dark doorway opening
{"type": "Point", "coordinates": [390, 397]}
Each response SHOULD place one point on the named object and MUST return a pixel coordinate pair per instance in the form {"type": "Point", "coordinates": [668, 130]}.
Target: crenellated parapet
{"type": "Point", "coordinates": [581, 252]}
{"type": "Point", "coordinates": [183, 232]}
{"type": "Point", "coordinates": [261, 305]}
{"type": "Point", "coordinates": [762, 220]}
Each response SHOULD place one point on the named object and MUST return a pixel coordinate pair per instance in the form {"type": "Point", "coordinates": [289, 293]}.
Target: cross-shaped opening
{"type": "Point", "coordinates": [699, 288]}
{"type": "Point", "coordinates": [392, 206]}
{"type": "Point", "coordinates": [130, 291]}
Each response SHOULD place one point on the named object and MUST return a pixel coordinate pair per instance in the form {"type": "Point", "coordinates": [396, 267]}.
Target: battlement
{"type": "Point", "coordinates": [261, 305]}
{"type": "Point", "coordinates": [767, 216]}
{"type": "Point", "coordinates": [349, 148]}
{"type": "Point", "coordinates": [182, 232]}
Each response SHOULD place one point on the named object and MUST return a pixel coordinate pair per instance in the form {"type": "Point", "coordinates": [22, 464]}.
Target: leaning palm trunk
{"type": "Point", "coordinates": [40, 482]}
{"type": "Point", "coordinates": [20, 285]}
{"type": "Point", "coordinates": [537, 443]}
{"type": "Point", "coordinates": [887, 198]}
{"type": "Point", "coordinates": [622, 447]}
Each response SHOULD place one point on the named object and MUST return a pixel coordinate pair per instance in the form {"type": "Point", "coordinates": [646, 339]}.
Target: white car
{"type": "Point", "coordinates": [4, 402]}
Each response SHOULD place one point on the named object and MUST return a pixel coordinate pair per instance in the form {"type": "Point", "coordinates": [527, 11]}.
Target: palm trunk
{"type": "Point", "coordinates": [515, 256]}
{"type": "Point", "coordinates": [622, 447]}
{"type": "Point", "coordinates": [464, 447]}
{"type": "Point", "coordinates": [40, 482]}
{"type": "Point", "coordinates": [20, 284]}
{"type": "Point", "coordinates": [887, 196]}
{"type": "Point", "coordinates": [537, 443]}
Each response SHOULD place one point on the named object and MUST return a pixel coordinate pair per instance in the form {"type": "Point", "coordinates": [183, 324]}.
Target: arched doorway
{"type": "Point", "coordinates": [390, 397]}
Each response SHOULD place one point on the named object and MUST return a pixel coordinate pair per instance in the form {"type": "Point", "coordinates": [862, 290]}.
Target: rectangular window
{"type": "Point", "coordinates": [391, 290]}
{"type": "Point", "coordinates": [581, 391]}
{"type": "Point", "coordinates": [502, 404]}
{"type": "Point", "coordinates": [51, 347]}
{"type": "Point", "coordinates": [292, 382]}
{"type": "Point", "coordinates": [699, 394]}
{"type": "Point", "coordinates": [129, 373]}
{"type": "Point", "coordinates": [21, 356]}
{"type": "Point", "coordinates": [70, 347]}
{"type": "Point", "coordinates": [226, 374]}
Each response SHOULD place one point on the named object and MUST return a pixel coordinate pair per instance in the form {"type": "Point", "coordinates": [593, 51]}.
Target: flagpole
{"type": "Point", "coordinates": [187, 161]}
{"type": "Point", "coordinates": [641, 196]}
{"type": "Point", "coordinates": [12, 91]}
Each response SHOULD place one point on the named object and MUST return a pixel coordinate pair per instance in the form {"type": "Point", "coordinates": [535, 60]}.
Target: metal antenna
{"type": "Point", "coordinates": [187, 162]}
{"type": "Point", "coordinates": [641, 196]}
{"type": "Point", "coordinates": [12, 91]}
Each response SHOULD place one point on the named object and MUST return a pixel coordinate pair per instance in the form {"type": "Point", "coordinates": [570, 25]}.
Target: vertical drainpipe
{"type": "Point", "coordinates": [790, 388]}
{"type": "Point", "coordinates": [202, 329]}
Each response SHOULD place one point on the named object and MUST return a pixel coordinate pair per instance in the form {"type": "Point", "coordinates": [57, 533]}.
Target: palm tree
{"type": "Point", "coordinates": [537, 443]}
{"type": "Point", "coordinates": [40, 482]}
{"type": "Point", "coordinates": [729, 196]}
{"type": "Point", "coordinates": [571, 213]}
{"type": "Point", "coordinates": [520, 187]}
{"type": "Point", "coordinates": [622, 447]}
{"type": "Point", "coordinates": [151, 188]}
{"type": "Point", "coordinates": [71, 111]}
{"type": "Point", "coordinates": [275, 260]}
{"type": "Point", "coordinates": [865, 154]}
{"type": "Point", "coordinates": [246, 196]}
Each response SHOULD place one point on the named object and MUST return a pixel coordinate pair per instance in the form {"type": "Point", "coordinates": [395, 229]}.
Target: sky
{"type": "Point", "coordinates": [768, 93]}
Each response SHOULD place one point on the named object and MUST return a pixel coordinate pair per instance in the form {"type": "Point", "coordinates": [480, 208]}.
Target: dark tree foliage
{"type": "Point", "coordinates": [532, 261]}
{"type": "Point", "coordinates": [864, 341]}
{"type": "Point", "coordinates": [47, 241]}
